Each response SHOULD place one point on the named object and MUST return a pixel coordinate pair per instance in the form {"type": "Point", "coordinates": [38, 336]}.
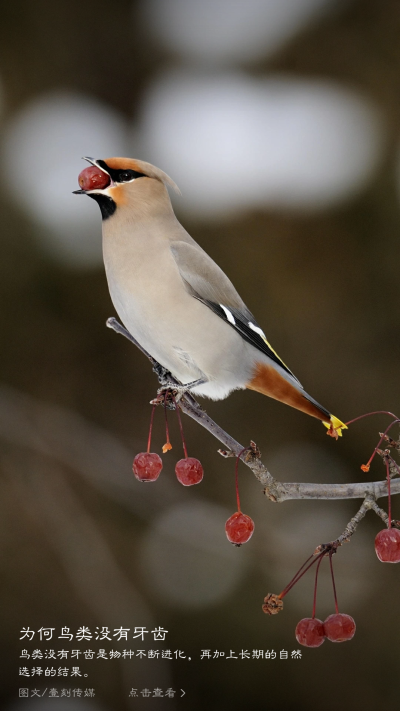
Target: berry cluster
{"type": "Point", "coordinates": [147, 466]}
{"type": "Point", "coordinates": [338, 627]}
{"type": "Point", "coordinates": [310, 631]}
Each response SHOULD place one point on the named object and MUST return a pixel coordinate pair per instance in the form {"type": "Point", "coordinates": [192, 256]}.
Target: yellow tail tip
{"type": "Point", "coordinates": [335, 427]}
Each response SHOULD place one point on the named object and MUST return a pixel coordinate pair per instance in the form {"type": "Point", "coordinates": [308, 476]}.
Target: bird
{"type": "Point", "coordinates": [175, 300]}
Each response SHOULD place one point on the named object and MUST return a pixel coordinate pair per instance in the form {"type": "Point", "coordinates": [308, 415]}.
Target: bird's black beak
{"type": "Point", "coordinates": [90, 160]}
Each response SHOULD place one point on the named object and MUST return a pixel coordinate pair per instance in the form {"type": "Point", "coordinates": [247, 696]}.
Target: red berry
{"type": "Point", "coordinates": [147, 466]}
{"type": "Point", "coordinates": [310, 632]}
{"type": "Point", "coordinates": [339, 628]}
{"type": "Point", "coordinates": [239, 528]}
{"type": "Point", "coordinates": [92, 178]}
{"type": "Point", "coordinates": [189, 471]}
{"type": "Point", "coordinates": [387, 545]}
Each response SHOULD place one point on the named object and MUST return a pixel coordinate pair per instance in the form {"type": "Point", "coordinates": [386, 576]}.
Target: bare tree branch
{"type": "Point", "coordinates": [351, 527]}
{"type": "Point", "coordinates": [276, 491]}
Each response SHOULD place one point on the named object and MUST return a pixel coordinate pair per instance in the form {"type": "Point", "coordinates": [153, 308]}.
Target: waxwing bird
{"type": "Point", "coordinates": [175, 300]}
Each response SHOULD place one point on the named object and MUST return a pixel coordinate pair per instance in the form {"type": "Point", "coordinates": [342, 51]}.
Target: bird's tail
{"type": "Point", "coordinates": [268, 381]}
{"type": "Point", "coordinates": [335, 427]}
{"type": "Point", "coordinates": [332, 423]}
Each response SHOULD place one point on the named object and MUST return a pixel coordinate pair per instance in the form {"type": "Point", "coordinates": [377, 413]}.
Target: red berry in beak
{"type": "Point", "coordinates": [339, 627]}
{"type": "Point", "coordinates": [387, 545]}
{"type": "Point", "coordinates": [310, 632]}
{"type": "Point", "coordinates": [239, 528]}
{"type": "Point", "coordinates": [147, 466]}
{"type": "Point", "coordinates": [189, 471]}
{"type": "Point", "coordinates": [93, 178]}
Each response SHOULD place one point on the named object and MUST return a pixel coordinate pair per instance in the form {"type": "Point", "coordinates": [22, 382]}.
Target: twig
{"type": "Point", "coordinates": [384, 516]}
{"type": "Point", "coordinates": [394, 469]}
{"type": "Point", "coordinates": [276, 491]}
{"type": "Point", "coordinates": [380, 512]}
{"type": "Point", "coordinates": [351, 527]}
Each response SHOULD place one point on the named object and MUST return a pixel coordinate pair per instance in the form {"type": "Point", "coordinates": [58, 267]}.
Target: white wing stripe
{"type": "Point", "coordinates": [228, 315]}
{"type": "Point", "coordinates": [258, 330]}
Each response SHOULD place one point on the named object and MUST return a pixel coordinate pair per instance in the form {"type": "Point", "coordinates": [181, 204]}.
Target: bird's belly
{"type": "Point", "coordinates": [187, 338]}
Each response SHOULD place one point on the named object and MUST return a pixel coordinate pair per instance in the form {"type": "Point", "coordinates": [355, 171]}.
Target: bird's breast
{"type": "Point", "coordinates": [179, 331]}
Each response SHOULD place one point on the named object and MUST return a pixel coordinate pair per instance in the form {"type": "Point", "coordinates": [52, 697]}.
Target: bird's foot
{"type": "Point", "coordinates": [167, 395]}
{"type": "Point", "coordinates": [171, 391]}
{"type": "Point", "coordinates": [174, 390]}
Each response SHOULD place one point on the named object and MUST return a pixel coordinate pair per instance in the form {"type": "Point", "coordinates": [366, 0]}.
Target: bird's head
{"type": "Point", "coordinates": [118, 182]}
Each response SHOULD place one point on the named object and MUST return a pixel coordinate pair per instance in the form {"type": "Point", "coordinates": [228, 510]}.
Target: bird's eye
{"type": "Point", "coordinates": [125, 175]}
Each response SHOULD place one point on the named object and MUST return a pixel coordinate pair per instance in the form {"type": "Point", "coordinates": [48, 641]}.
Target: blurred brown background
{"type": "Point", "coordinates": [279, 122]}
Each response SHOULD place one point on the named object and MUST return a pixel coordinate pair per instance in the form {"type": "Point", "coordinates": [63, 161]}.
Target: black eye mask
{"type": "Point", "coordinates": [120, 176]}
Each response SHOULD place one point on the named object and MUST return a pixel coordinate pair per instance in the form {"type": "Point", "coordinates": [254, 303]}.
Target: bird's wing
{"type": "Point", "coordinates": [207, 282]}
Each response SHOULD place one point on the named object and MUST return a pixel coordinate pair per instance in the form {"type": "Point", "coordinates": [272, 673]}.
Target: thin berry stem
{"type": "Point", "coordinates": [237, 478]}
{"type": "Point", "coordinates": [151, 428]}
{"type": "Point", "coordinates": [315, 587]}
{"type": "Point", "coordinates": [379, 444]}
{"type": "Point", "coordinates": [333, 583]}
{"type": "Point", "coordinates": [168, 443]}
{"type": "Point", "coordinates": [389, 497]}
{"type": "Point", "coordinates": [180, 427]}
{"type": "Point", "coordinates": [377, 412]}
{"type": "Point", "coordinates": [301, 571]}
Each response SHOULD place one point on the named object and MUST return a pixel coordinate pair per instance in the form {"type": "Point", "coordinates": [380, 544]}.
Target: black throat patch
{"type": "Point", "coordinates": [106, 204]}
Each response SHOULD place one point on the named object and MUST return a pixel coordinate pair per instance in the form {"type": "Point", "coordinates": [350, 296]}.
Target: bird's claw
{"type": "Point", "coordinates": [175, 390]}
{"type": "Point", "coordinates": [168, 395]}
